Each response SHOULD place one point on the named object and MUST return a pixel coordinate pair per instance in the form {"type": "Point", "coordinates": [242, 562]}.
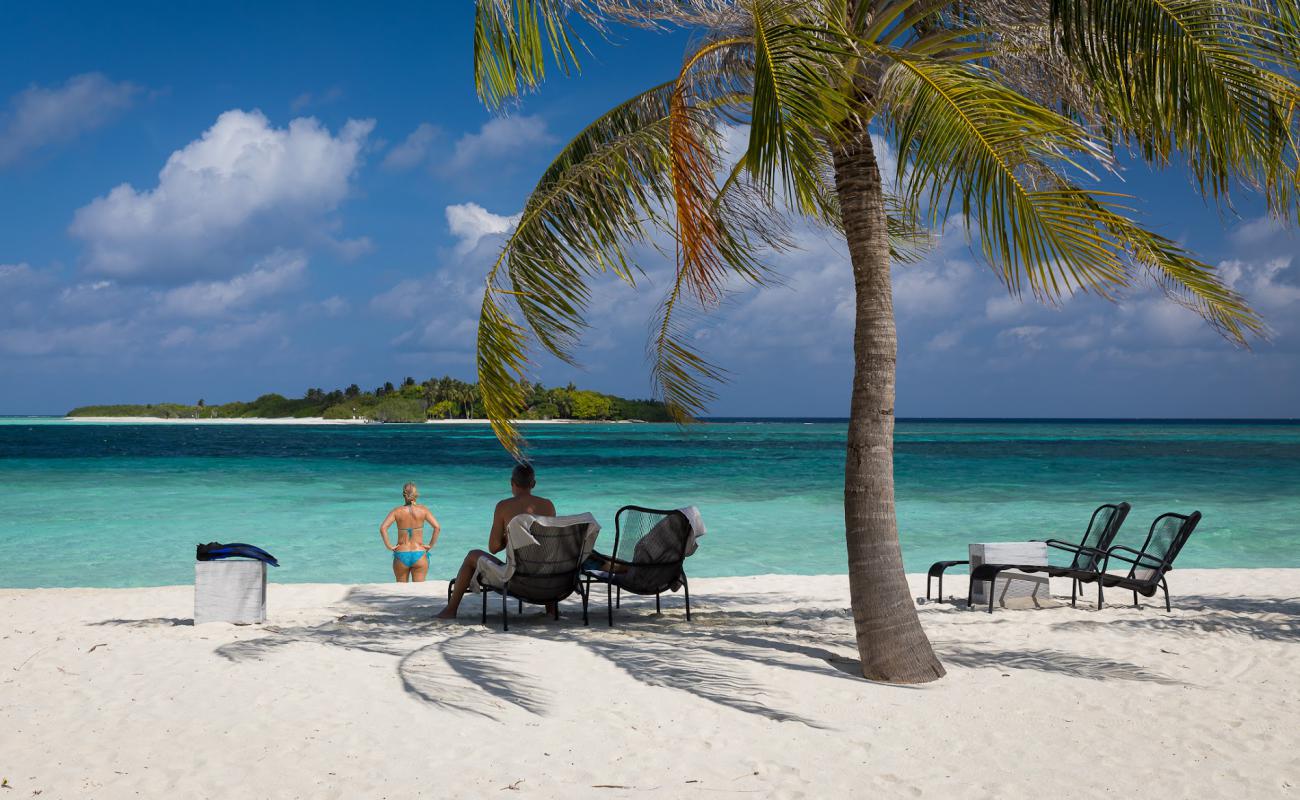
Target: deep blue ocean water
{"type": "Point", "coordinates": [85, 504]}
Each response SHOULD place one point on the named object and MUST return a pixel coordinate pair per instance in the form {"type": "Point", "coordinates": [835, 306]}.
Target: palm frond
{"type": "Point", "coordinates": [1208, 81]}
{"type": "Point", "coordinates": [600, 196]}
{"type": "Point", "coordinates": [609, 188]}
{"type": "Point", "coordinates": [1186, 280]}
{"type": "Point", "coordinates": [1006, 158]}
{"type": "Point", "coordinates": [966, 137]}
{"type": "Point", "coordinates": [797, 103]}
{"type": "Point", "coordinates": [679, 373]}
{"type": "Point", "coordinates": [694, 169]}
{"type": "Point", "coordinates": [512, 39]}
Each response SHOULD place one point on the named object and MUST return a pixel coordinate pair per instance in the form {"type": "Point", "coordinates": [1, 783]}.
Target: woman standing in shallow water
{"type": "Point", "coordinates": [410, 556]}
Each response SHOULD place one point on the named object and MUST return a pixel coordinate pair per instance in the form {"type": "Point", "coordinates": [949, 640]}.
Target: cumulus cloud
{"type": "Point", "coordinates": [413, 150]}
{"type": "Point", "coordinates": [498, 142]}
{"type": "Point", "coordinates": [470, 222]}
{"type": "Point", "coordinates": [308, 99]}
{"type": "Point", "coordinates": [41, 316]}
{"type": "Point", "coordinates": [239, 192]}
{"type": "Point", "coordinates": [40, 116]}
{"type": "Point", "coordinates": [501, 137]}
{"type": "Point", "coordinates": [105, 338]}
{"type": "Point", "coordinates": [271, 276]}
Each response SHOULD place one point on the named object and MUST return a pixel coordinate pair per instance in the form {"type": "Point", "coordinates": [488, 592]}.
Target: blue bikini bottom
{"type": "Point", "coordinates": [409, 557]}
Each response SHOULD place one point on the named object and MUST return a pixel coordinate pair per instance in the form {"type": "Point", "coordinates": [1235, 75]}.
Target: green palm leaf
{"type": "Point", "coordinates": [511, 40]}
{"type": "Point", "coordinates": [599, 197]}
{"type": "Point", "coordinates": [1211, 81]}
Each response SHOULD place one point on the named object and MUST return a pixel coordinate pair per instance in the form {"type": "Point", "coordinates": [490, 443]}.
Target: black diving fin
{"type": "Point", "coordinates": [213, 551]}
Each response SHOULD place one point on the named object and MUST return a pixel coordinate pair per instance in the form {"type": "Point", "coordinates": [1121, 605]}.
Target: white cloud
{"type": "Point", "coordinates": [180, 337]}
{"type": "Point", "coordinates": [271, 276]}
{"type": "Point", "coordinates": [241, 191]}
{"type": "Point", "coordinates": [15, 275]}
{"type": "Point", "coordinates": [944, 340]}
{"type": "Point", "coordinates": [499, 138]}
{"type": "Point", "coordinates": [106, 338]}
{"type": "Point", "coordinates": [39, 116]}
{"type": "Point", "coordinates": [1004, 306]}
{"type": "Point", "coordinates": [413, 150]}
{"type": "Point", "coordinates": [334, 305]}
{"type": "Point", "coordinates": [470, 222]}
{"type": "Point", "coordinates": [244, 333]}
{"type": "Point", "coordinates": [309, 99]}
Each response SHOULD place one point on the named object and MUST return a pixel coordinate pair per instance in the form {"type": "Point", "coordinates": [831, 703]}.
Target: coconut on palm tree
{"type": "Point", "coordinates": [1003, 112]}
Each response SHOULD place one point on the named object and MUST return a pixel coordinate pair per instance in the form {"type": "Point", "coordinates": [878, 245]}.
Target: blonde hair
{"type": "Point", "coordinates": [409, 493]}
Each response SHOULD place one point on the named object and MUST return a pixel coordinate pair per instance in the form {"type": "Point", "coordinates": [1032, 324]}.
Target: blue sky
{"type": "Point", "coordinates": [217, 201]}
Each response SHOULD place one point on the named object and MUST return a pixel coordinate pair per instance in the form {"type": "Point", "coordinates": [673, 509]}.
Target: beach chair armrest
{"type": "Point", "coordinates": [1151, 562]}
{"type": "Point", "coordinates": [938, 567]}
{"type": "Point", "coordinates": [1071, 547]}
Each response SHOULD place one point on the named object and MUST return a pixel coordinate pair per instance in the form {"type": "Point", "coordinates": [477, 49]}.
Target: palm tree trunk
{"type": "Point", "coordinates": [891, 643]}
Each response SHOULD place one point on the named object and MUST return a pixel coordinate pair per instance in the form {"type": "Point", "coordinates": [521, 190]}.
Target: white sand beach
{"type": "Point", "coordinates": [352, 692]}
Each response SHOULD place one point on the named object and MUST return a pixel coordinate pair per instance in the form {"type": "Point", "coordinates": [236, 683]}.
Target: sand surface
{"type": "Point", "coordinates": [352, 692]}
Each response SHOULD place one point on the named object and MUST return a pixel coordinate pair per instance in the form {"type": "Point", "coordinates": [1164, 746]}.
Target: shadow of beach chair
{"type": "Point", "coordinates": [1149, 564]}
{"type": "Point", "coordinates": [1103, 525]}
{"type": "Point", "coordinates": [544, 558]}
{"type": "Point", "coordinates": [650, 550]}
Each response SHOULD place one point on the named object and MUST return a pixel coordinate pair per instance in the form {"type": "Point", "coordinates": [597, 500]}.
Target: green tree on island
{"type": "Point", "coordinates": [1002, 111]}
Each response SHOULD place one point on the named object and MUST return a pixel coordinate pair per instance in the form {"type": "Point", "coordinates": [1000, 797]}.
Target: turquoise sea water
{"type": "Point", "coordinates": [84, 504]}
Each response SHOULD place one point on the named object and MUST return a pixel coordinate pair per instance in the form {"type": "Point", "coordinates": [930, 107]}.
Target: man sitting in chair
{"type": "Point", "coordinates": [521, 501]}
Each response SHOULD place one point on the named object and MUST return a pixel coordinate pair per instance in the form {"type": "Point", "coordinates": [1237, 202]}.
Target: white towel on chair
{"type": "Point", "coordinates": [697, 527]}
{"type": "Point", "coordinates": [519, 535]}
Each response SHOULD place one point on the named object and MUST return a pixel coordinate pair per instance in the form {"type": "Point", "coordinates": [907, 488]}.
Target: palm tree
{"type": "Point", "coordinates": [1003, 111]}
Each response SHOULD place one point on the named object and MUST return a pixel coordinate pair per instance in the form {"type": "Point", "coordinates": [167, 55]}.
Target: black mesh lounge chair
{"type": "Point", "coordinates": [544, 558]}
{"type": "Point", "coordinates": [1102, 527]}
{"type": "Point", "coordinates": [1086, 558]}
{"type": "Point", "coordinates": [650, 548]}
{"type": "Point", "coordinates": [1148, 564]}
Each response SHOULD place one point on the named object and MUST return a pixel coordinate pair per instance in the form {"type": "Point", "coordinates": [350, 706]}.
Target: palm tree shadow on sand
{"type": "Point", "coordinates": [468, 669]}
{"type": "Point", "coordinates": [481, 671]}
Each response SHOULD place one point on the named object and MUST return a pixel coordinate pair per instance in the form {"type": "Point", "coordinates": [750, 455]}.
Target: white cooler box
{"type": "Point", "coordinates": [230, 590]}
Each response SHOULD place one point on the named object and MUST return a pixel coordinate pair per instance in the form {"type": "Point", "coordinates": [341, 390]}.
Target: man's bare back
{"type": "Point", "coordinates": [521, 501]}
{"type": "Point", "coordinates": [512, 507]}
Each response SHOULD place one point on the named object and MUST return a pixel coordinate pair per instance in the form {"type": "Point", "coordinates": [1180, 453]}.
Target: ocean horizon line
{"type": "Point", "coordinates": [723, 419]}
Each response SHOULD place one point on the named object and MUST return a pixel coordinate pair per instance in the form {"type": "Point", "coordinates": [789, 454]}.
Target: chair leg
{"type": "Point", "coordinates": [1136, 604]}
{"type": "Point", "coordinates": [657, 610]}
{"type": "Point", "coordinates": [557, 610]}
{"type": "Point", "coordinates": [992, 585]}
{"type": "Point", "coordinates": [1165, 587]}
{"type": "Point", "coordinates": [927, 588]}
{"type": "Point", "coordinates": [609, 602]}
{"type": "Point", "coordinates": [687, 588]}
{"type": "Point", "coordinates": [483, 597]}
{"type": "Point", "coordinates": [505, 611]}
{"type": "Point", "coordinates": [1074, 591]}
{"type": "Point", "coordinates": [585, 595]}
{"type": "Point", "coordinates": [521, 606]}
{"type": "Point", "coordinates": [618, 597]}
{"type": "Point", "coordinates": [1100, 601]}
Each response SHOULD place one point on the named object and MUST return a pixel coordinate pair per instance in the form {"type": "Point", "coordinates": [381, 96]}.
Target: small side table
{"type": "Point", "coordinates": [230, 590]}
{"type": "Point", "coordinates": [1012, 584]}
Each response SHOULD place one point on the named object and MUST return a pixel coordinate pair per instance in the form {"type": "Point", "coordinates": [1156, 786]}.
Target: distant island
{"type": "Point", "coordinates": [436, 398]}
